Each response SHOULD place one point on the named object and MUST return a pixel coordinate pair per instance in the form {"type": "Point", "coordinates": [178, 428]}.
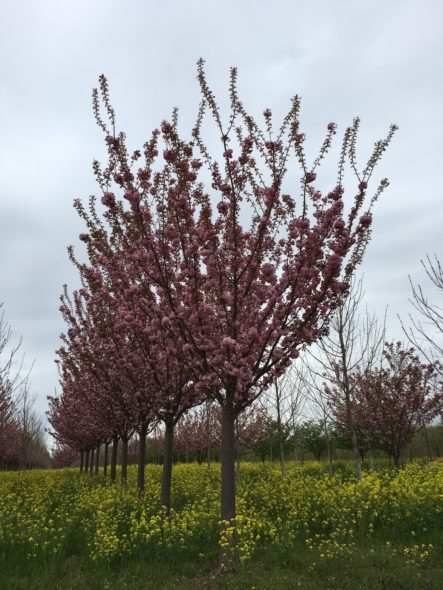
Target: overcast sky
{"type": "Point", "coordinates": [376, 59]}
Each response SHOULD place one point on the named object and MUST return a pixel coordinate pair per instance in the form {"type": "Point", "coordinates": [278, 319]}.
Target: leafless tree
{"type": "Point", "coordinates": [285, 402]}
{"type": "Point", "coordinates": [426, 333]}
{"type": "Point", "coordinates": [33, 449]}
{"type": "Point", "coordinates": [17, 404]}
{"type": "Point", "coordinates": [10, 376]}
{"type": "Point", "coordinates": [354, 340]}
{"type": "Point", "coordinates": [317, 404]}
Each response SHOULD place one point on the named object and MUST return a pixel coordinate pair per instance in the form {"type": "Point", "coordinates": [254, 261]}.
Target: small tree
{"type": "Point", "coordinates": [353, 340]}
{"type": "Point", "coordinates": [426, 333]}
{"type": "Point", "coordinates": [310, 436]}
{"type": "Point", "coordinates": [284, 400]}
{"type": "Point", "coordinates": [394, 401]}
{"type": "Point", "coordinates": [198, 432]}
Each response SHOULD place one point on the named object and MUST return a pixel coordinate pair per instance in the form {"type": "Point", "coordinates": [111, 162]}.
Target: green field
{"type": "Point", "coordinates": [62, 529]}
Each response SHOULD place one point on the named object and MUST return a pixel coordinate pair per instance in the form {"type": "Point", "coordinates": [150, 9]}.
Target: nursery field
{"type": "Point", "coordinates": [66, 530]}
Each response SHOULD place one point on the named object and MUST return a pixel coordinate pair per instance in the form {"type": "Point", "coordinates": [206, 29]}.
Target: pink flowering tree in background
{"type": "Point", "coordinates": [91, 374]}
{"type": "Point", "coordinates": [156, 386]}
{"type": "Point", "coordinates": [199, 432]}
{"type": "Point", "coordinates": [10, 444]}
{"type": "Point", "coordinates": [234, 272]}
{"type": "Point", "coordinates": [251, 427]}
{"type": "Point", "coordinates": [63, 456]}
{"type": "Point", "coordinates": [113, 333]}
{"type": "Point", "coordinates": [392, 402]}
{"type": "Point", "coordinates": [73, 427]}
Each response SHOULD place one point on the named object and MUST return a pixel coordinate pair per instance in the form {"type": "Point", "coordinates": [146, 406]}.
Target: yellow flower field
{"type": "Point", "coordinates": [48, 514]}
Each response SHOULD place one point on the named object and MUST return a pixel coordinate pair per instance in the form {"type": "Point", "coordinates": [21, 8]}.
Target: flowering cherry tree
{"type": "Point", "coordinates": [139, 384]}
{"type": "Point", "coordinates": [199, 432]}
{"type": "Point", "coordinates": [92, 380]}
{"type": "Point", "coordinates": [235, 268]}
{"type": "Point", "coordinates": [393, 401]}
{"type": "Point", "coordinates": [63, 456]}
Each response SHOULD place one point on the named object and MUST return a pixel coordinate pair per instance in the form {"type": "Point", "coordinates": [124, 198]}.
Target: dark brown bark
{"type": "Point", "coordinates": [86, 461]}
{"type": "Point", "coordinates": [105, 460]}
{"type": "Point", "coordinates": [97, 460]}
{"type": "Point", "coordinates": [81, 461]}
{"type": "Point", "coordinates": [124, 473]}
{"type": "Point", "coordinates": [428, 444]}
{"type": "Point", "coordinates": [396, 457]}
{"type": "Point", "coordinates": [227, 459]}
{"type": "Point", "coordinates": [280, 432]}
{"type": "Point", "coordinates": [167, 466]}
{"type": "Point", "coordinates": [142, 458]}
{"type": "Point", "coordinates": [356, 453]}
{"type": "Point", "coordinates": [208, 434]}
{"type": "Point", "coordinates": [91, 461]}
{"type": "Point", "coordinates": [329, 448]}
{"type": "Point", "coordinates": [237, 454]}
{"type": "Point", "coordinates": [114, 459]}
{"type": "Point", "coordinates": [371, 458]}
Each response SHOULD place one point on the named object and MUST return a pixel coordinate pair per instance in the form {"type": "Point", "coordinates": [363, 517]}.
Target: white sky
{"type": "Point", "coordinates": [380, 60]}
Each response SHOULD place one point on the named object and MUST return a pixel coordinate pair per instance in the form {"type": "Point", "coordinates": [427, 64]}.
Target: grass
{"type": "Point", "coordinates": [367, 568]}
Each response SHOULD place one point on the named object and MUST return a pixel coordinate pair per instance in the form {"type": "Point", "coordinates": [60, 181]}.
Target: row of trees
{"type": "Point", "coordinates": [389, 404]}
{"type": "Point", "coordinates": [204, 277]}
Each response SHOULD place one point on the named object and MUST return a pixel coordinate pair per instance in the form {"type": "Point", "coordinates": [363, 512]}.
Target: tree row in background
{"type": "Point", "coordinates": [22, 432]}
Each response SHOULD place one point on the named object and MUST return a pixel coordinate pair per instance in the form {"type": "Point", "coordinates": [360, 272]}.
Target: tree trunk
{"type": "Point", "coordinates": [97, 460]}
{"type": "Point", "coordinates": [142, 458]}
{"type": "Point", "coordinates": [237, 453]}
{"type": "Point", "coordinates": [282, 456]}
{"type": "Point", "coordinates": [81, 461]}
{"type": "Point", "coordinates": [227, 458]}
{"type": "Point", "coordinates": [167, 466]}
{"type": "Point", "coordinates": [209, 459]}
{"type": "Point", "coordinates": [328, 444]}
{"type": "Point", "coordinates": [86, 461]}
{"type": "Point", "coordinates": [91, 462]}
{"type": "Point", "coordinates": [428, 444]}
{"type": "Point", "coordinates": [356, 453]}
{"type": "Point", "coordinates": [280, 433]}
{"type": "Point", "coordinates": [208, 437]}
{"type": "Point", "coordinates": [396, 459]}
{"type": "Point", "coordinates": [114, 459]}
{"type": "Point", "coordinates": [105, 460]}
{"type": "Point", "coordinates": [124, 473]}
{"type": "Point", "coordinates": [371, 458]}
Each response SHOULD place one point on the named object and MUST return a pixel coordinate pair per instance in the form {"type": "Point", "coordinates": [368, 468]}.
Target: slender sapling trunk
{"type": "Point", "coordinates": [124, 473]}
{"type": "Point", "coordinates": [97, 460]}
{"type": "Point", "coordinates": [167, 466]}
{"type": "Point", "coordinates": [114, 459]}
{"type": "Point", "coordinates": [105, 459]}
{"type": "Point", "coordinates": [142, 458]}
{"type": "Point", "coordinates": [227, 458]}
